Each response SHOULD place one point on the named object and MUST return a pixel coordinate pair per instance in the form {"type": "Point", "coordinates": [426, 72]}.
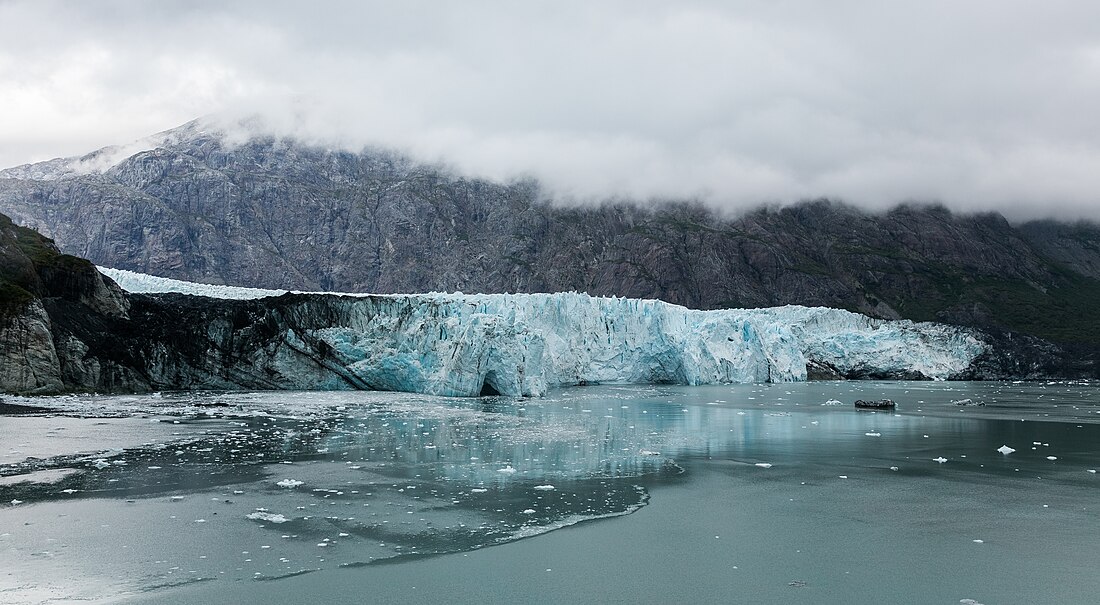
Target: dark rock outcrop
{"type": "Point", "coordinates": [38, 286]}
{"type": "Point", "coordinates": [875, 404]}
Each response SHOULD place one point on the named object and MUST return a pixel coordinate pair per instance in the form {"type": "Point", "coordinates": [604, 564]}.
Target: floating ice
{"type": "Point", "coordinates": [508, 470]}
{"type": "Point", "coordinates": [265, 516]}
{"type": "Point", "coordinates": [873, 434]}
{"type": "Point", "coordinates": [544, 488]}
{"type": "Point", "coordinates": [529, 511]}
{"type": "Point", "coordinates": [941, 460]}
{"type": "Point", "coordinates": [1004, 449]}
{"type": "Point", "coordinates": [1052, 457]}
{"type": "Point", "coordinates": [289, 483]}
{"type": "Point", "coordinates": [764, 464]}
{"type": "Point", "coordinates": [833, 402]}
{"type": "Point", "coordinates": [648, 453]}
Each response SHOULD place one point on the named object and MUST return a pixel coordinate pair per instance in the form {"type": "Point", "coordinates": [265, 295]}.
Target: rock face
{"type": "Point", "coordinates": [38, 287]}
{"type": "Point", "coordinates": [278, 214]}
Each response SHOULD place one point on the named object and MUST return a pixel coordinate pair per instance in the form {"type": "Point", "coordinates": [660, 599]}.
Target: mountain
{"type": "Point", "coordinates": [276, 213]}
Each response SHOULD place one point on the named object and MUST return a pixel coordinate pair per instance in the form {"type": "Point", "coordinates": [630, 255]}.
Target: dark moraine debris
{"type": "Point", "coordinates": [875, 404]}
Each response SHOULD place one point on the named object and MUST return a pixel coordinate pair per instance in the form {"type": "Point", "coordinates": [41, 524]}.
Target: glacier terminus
{"type": "Point", "coordinates": [526, 344]}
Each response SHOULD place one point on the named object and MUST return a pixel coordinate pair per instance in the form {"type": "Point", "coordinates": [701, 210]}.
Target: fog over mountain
{"type": "Point", "coordinates": [981, 106]}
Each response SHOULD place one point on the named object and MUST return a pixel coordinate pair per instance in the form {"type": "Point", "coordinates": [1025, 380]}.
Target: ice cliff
{"type": "Point", "coordinates": [524, 344]}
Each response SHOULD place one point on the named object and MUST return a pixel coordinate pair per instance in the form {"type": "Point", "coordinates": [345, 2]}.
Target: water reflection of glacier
{"type": "Point", "coordinates": [314, 480]}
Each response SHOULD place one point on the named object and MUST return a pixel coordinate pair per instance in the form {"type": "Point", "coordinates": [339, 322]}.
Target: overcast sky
{"type": "Point", "coordinates": [980, 105]}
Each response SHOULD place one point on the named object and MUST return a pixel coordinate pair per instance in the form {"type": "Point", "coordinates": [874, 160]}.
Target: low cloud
{"type": "Point", "coordinates": [979, 105]}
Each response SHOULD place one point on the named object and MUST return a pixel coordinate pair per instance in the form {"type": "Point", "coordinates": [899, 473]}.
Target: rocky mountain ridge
{"type": "Point", "coordinates": [275, 213]}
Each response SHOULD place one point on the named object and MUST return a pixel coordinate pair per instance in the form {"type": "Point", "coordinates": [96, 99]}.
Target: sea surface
{"type": "Point", "coordinates": [778, 493]}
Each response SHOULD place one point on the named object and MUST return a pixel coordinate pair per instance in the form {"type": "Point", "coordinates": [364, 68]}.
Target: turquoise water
{"type": "Point", "coordinates": [752, 494]}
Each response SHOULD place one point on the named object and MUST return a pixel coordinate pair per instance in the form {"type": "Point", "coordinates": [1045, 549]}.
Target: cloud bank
{"type": "Point", "coordinates": [982, 105]}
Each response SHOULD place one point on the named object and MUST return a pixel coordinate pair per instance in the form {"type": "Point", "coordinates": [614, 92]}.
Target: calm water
{"type": "Point", "coordinates": [753, 494]}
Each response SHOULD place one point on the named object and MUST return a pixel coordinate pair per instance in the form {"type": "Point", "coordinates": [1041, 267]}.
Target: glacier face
{"type": "Point", "coordinates": [525, 344]}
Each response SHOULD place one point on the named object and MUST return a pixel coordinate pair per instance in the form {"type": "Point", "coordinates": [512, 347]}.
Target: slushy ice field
{"type": "Point", "coordinates": [981, 491]}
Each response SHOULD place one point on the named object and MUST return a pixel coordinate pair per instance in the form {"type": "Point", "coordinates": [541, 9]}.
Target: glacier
{"type": "Point", "coordinates": [455, 344]}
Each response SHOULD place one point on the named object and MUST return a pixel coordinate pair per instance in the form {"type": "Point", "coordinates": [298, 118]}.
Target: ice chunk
{"type": "Point", "coordinates": [941, 460]}
{"type": "Point", "coordinates": [508, 470]}
{"type": "Point", "coordinates": [764, 464]}
{"type": "Point", "coordinates": [265, 516]}
{"type": "Point", "coordinates": [289, 483]}
{"type": "Point", "coordinates": [544, 488]}
{"type": "Point", "coordinates": [1004, 449]}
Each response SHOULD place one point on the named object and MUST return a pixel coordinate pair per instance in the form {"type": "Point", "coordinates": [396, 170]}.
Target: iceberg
{"type": "Point", "coordinates": [525, 344]}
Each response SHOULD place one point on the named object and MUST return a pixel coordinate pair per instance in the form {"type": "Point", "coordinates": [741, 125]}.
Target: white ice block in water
{"type": "Point", "coordinates": [266, 516]}
{"type": "Point", "coordinates": [1004, 449]}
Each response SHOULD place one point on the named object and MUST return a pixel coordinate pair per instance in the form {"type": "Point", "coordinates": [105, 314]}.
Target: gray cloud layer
{"type": "Point", "coordinates": [980, 105]}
